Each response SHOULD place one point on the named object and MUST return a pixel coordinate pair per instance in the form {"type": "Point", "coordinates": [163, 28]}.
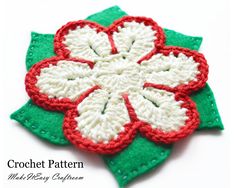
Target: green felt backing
{"type": "Point", "coordinates": [178, 39]}
{"type": "Point", "coordinates": [45, 124]}
{"type": "Point", "coordinates": [207, 108]}
{"type": "Point", "coordinates": [140, 156]}
{"type": "Point", "coordinates": [41, 47]}
{"type": "Point", "coordinates": [107, 16]}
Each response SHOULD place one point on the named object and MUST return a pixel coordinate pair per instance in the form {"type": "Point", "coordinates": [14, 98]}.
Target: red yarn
{"type": "Point", "coordinates": [130, 129]}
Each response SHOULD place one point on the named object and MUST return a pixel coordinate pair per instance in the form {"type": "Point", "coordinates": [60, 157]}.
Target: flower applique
{"type": "Point", "coordinates": [112, 82]}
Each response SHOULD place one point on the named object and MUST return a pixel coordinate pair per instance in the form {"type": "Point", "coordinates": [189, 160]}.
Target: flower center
{"type": "Point", "coordinates": [118, 77]}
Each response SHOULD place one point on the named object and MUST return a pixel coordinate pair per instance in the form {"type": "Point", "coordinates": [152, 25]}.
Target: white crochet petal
{"type": "Point", "coordinates": [170, 70]}
{"type": "Point", "coordinates": [102, 116]}
{"type": "Point", "coordinates": [134, 40]}
{"type": "Point", "coordinates": [159, 108]}
{"type": "Point", "coordinates": [66, 79]}
{"type": "Point", "coordinates": [87, 44]}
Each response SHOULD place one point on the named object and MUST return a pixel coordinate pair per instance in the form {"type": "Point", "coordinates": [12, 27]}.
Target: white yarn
{"type": "Point", "coordinates": [67, 79]}
{"type": "Point", "coordinates": [118, 74]}
{"type": "Point", "coordinates": [86, 43]}
{"type": "Point", "coordinates": [134, 40]}
{"type": "Point", "coordinates": [100, 123]}
{"type": "Point", "coordinates": [167, 116]}
{"type": "Point", "coordinates": [170, 70]}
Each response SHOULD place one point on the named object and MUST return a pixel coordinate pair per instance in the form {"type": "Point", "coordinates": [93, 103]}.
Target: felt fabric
{"type": "Point", "coordinates": [41, 47]}
{"type": "Point", "coordinates": [140, 156]}
{"type": "Point", "coordinates": [107, 16]}
{"type": "Point", "coordinates": [207, 108]}
{"type": "Point", "coordinates": [44, 124]}
{"type": "Point", "coordinates": [178, 39]}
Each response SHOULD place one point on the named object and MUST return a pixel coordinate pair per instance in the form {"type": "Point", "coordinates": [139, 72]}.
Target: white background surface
{"type": "Point", "coordinates": [201, 160]}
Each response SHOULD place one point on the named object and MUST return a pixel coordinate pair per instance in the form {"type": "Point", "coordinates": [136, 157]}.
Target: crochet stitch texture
{"type": "Point", "coordinates": [112, 82]}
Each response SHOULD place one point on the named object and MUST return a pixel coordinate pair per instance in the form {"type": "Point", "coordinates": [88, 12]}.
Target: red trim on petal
{"type": "Point", "coordinates": [113, 146]}
{"type": "Point", "coordinates": [61, 50]}
{"type": "Point", "coordinates": [160, 86]}
{"type": "Point", "coordinates": [130, 108]}
{"type": "Point", "coordinates": [148, 56]}
{"type": "Point", "coordinates": [190, 126]}
{"type": "Point", "coordinates": [86, 94]}
{"type": "Point", "coordinates": [42, 99]}
{"type": "Point", "coordinates": [113, 47]}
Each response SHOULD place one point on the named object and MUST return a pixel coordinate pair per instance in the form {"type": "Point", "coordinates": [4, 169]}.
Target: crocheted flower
{"type": "Point", "coordinates": [114, 82]}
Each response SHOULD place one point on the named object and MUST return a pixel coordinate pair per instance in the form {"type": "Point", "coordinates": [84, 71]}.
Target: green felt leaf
{"type": "Point", "coordinates": [178, 39]}
{"type": "Point", "coordinates": [206, 106]}
{"type": "Point", "coordinates": [41, 47]}
{"type": "Point", "coordinates": [107, 16]}
{"type": "Point", "coordinates": [45, 124]}
{"type": "Point", "coordinates": [140, 157]}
